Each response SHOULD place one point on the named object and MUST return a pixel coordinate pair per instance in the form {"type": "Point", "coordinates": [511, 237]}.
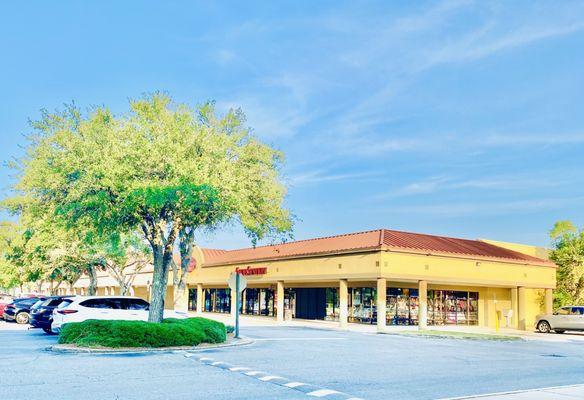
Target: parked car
{"type": "Point", "coordinates": [104, 307]}
{"type": "Point", "coordinates": [41, 313]}
{"type": "Point", "coordinates": [5, 299]}
{"type": "Point", "coordinates": [568, 318]}
{"type": "Point", "coordinates": [19, 309]}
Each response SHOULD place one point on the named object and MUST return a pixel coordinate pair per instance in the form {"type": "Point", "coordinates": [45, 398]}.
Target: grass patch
{"type": "Point", "coordinates": [456, 335]}
{"type": "Point", "coordinates": [171, 332]}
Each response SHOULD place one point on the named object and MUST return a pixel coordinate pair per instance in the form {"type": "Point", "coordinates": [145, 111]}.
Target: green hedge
{"type": "Point", "coordinates": [171, 332]}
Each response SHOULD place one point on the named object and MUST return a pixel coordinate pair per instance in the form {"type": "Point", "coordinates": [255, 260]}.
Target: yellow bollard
{"type": "Point", "coordinates": [497, 320]}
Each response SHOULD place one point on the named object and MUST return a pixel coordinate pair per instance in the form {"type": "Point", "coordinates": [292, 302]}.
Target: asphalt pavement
{"type": "Point", "coordinates": [290, 363]}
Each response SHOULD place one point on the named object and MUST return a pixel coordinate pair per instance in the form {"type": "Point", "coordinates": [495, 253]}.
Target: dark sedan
{"type": "Point", "coordinates": [41, 314]}
{"type": "Point", "coordinates": [19, 309]}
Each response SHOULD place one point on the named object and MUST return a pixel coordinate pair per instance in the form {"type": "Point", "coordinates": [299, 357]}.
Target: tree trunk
{"type": "Point", "coordinates": [159, 283]}
{"type": "Point", "coordinates": [181, 295]}
{"type": "Point", "coordinates": [92, 273]}
{"type": "Point", "coordinates": [55, 288]}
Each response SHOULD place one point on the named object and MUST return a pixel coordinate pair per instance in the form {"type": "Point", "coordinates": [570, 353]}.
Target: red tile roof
{"type": "Point", "coordinates": [380, 239]}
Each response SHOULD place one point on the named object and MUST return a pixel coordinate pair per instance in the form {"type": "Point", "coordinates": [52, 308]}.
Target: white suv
{"type": "Point", "coordinates": [568, 318]}
{"type": "Point", "coordinates": [81, 308]}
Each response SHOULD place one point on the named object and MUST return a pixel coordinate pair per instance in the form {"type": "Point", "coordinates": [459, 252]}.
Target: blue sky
{"type": "Point", "coordinates": [458, 118]}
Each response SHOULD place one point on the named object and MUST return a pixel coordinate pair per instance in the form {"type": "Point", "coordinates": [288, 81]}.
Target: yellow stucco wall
{"type": "Point", "coordinates": [493, 280]}
{"type": "Point", "coordinates": [454, 270]}
{"type": "Point", "coordinates": [314, 269]}
{"type": "Point", "coordinates": [534, 251]}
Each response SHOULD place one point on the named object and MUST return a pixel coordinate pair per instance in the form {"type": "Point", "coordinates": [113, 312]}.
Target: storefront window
{"type": "Point", "coordinates": [362, 305]}
{"type": "Point", "coordinates": [192, 299]}
{"type": "Point", "coordinates": [289, 303]}
{"type": "Point", "coordinates": [402, 306]}
{"type": "Point", "coordinates": [332, 304]}
{"type": "Point", "coordinates": [447, 307]}
{"type": "Point", "coordinates": [218, 300]}
{"type": "Point", "coordinates": [259, 302]}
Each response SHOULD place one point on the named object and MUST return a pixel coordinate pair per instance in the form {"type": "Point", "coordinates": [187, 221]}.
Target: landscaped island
{"type": "Point", "coordinates": [171, 332]}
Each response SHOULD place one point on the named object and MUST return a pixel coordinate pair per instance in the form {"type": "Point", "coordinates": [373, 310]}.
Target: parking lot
{"type": "Point", "coordinates": [356, 364]}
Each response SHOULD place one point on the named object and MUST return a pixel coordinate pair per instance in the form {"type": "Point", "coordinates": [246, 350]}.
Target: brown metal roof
{"type": "Point", "coordinates": [380, 239]}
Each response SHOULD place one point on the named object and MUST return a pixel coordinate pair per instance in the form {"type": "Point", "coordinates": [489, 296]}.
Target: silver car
{"type": "Point", "coordinates": [568, 318]}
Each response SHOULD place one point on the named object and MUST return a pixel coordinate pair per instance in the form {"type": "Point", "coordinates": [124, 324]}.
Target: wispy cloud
{"type": "Point", "coordinates": [522, 139]}
{"type": "Point", "coordinates": [495, 208]}
{"type": "Point", "coordinates": [405, 49]}
{"type": "Point", "coordinates": [322, 176]}
{"type": "Point", "coordinates": [504, 183]}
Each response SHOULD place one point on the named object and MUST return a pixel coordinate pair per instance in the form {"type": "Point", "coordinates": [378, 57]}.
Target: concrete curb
{"type": "Point", "coordinates": [501, 338]}
{"type": "Point", "coordinates": [67, 349]}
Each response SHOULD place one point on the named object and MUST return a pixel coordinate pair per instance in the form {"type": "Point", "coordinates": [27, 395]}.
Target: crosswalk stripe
{"type": "Point", "coordinates": [294, 384]}
{"type": "Point", "coordinates": [270, 377]}
{"type": "Point", "coordinates": [322, 392]}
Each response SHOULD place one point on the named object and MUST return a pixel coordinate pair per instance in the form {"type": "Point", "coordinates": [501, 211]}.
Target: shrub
{"type": "Point", "coordinates": [229, 328]}
{"type": "Point", "coordinates": [171, 332]}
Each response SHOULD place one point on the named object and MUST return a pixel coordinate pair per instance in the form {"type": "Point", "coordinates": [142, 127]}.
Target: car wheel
{"type": "Point", "coordinates": [559, 331]}
{"type": "Point", "coordinates": [544, 327]}
{"type": "Point", "coordinates": [22, 317]}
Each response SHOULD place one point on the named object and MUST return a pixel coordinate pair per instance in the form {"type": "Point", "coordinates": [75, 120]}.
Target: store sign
{"type": "Point", "coordinates": [252, 271]}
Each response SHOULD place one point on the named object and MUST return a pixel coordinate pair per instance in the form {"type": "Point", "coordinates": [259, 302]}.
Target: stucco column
{"type": "Point", "coordinates": [243, 300]}
{"type": "Point", "coordinates": [549, 301]}
{"type": "Point", "coordinates": [381, 304]}
{"type": "Point", "coordinates": [343, 303]}
{"type": "Point", "coordinates": [200, 298]}
{"type": "Point", "coordinates": [423, 306]}
{"type": "Point", "coordinates": [280, 302]}
{"type": "Point", "coordinates": [521, 308]}
{"type": "Point", "coordinates": [514, 308]}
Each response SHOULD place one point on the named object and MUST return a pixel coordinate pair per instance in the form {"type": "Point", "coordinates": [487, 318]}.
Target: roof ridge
{"type": "Point", "coordinates": [307, 240]}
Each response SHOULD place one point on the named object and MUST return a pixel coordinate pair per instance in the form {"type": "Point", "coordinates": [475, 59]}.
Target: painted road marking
{"type": "Point", "coordinates": [270, 377]}
{"type": "Point", "coordinates": [301, 339]}
{"type": "Point", "coordinates": [253, 373]}
{"type": "Point", "coordinates": [309, 390]}
{"type": "Point", "coordinates": [512, 392]}
{"type": "Point", "coordinates": [322, 392]}
{"type": "Point", "coordinates": [294, 384]}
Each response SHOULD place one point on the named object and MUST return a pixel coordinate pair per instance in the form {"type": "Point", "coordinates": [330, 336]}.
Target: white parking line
{"type": "Point", "coordinates": [253, 373]}
{"type": "Point", "coordinates": [294, 384]}
{"type": "Point", "coordinates": [270, 377]}
{"type": "Point", "coordinates": [322, 392]}
{"type": "Point", "coordinates": [263, 376]}
{"type": "Point", "coordinates": [300, 339]}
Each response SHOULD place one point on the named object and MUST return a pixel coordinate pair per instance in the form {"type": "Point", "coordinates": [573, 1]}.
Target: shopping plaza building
{"type": "Point", "coordinates": [381, 277]}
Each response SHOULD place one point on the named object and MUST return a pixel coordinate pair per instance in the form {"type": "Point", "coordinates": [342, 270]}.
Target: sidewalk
{"type": "Point", "coordinates": [559, 392]}
{"type": "Point", "coordinates": [250, 320]}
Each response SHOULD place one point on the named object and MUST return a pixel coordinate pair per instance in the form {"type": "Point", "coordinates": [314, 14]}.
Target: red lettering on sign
{"type": "Point", "coordinates": [252, 271]}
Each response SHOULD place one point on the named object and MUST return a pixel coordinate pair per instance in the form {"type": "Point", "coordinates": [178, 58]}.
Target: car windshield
{"type": "Point", "coordinates": [38, 304]}
{"type": "Point", "coordinates": [64, 303]}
